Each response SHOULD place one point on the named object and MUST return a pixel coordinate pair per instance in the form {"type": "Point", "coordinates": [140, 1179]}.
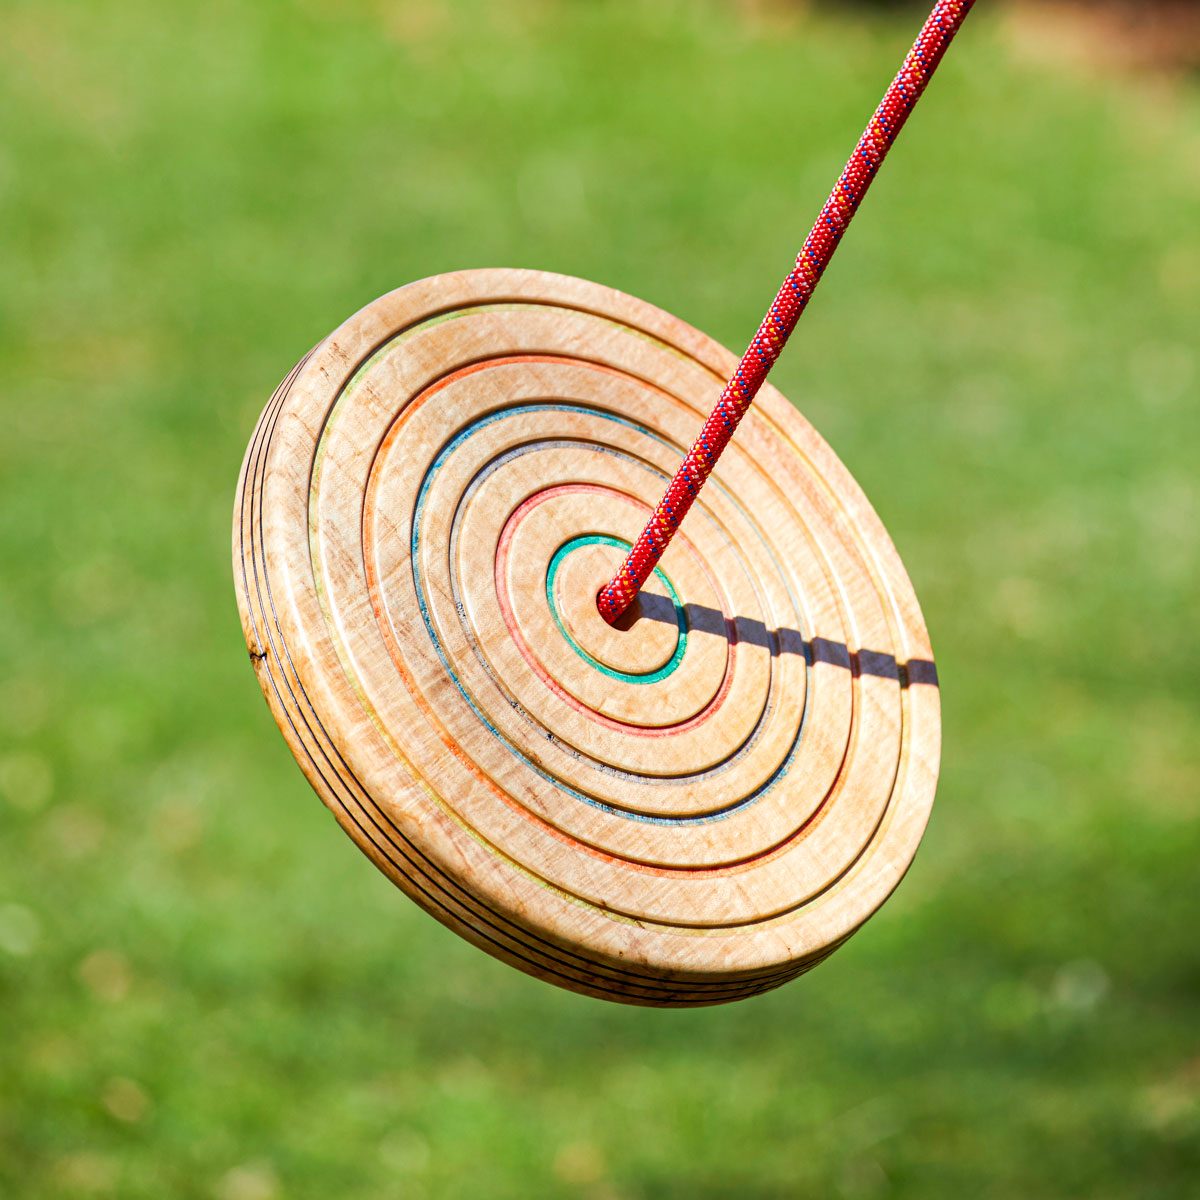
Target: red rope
{"type": "Point", "coordinates": [939, 30]}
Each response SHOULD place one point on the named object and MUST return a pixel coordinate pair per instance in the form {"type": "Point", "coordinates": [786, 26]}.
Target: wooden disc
{"type": "Point", "coordinates": [688, 809]}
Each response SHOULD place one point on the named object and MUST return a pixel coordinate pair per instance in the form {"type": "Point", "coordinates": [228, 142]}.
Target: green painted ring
{"type": "Point", "coordinates": [655, 676]}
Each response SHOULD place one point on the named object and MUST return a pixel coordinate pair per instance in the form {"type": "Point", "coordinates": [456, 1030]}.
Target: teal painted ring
{"type": "Point", "coordinates": [599, 539]}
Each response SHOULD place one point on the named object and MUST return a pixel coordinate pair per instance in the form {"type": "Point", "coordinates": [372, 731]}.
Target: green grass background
{"type": "Point", "coordinates": [205, 991]}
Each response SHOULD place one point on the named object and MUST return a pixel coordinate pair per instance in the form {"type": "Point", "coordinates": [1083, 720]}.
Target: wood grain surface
{"type": "Point", "coordinates": [694, 807]}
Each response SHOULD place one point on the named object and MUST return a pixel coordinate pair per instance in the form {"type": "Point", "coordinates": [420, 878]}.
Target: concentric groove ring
{"type": "Point", "coordinates": [657, 673]}
{"type": "Point", "coordinates": [693, 808]}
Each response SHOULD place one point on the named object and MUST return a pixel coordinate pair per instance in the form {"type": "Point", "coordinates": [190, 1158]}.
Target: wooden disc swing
{"type": "Point", "coordinates": [660, 767]}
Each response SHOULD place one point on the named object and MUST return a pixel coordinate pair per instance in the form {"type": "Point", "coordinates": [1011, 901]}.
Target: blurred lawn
{"type": "Point", "coordinates": [205, 991]}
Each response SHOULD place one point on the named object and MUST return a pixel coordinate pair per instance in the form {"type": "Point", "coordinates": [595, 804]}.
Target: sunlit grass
{"type": "Point", "coordinates": [205, 991]}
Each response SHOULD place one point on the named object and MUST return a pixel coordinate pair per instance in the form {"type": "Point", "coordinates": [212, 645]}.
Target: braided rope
{"type": "Point", "coordinates": [906, 89]}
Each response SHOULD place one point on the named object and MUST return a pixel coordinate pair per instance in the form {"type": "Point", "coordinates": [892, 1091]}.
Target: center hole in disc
{"type": "Point", "coordinates": [629, 618]}
{"type": "Point", "coordinates": [646, 606]}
